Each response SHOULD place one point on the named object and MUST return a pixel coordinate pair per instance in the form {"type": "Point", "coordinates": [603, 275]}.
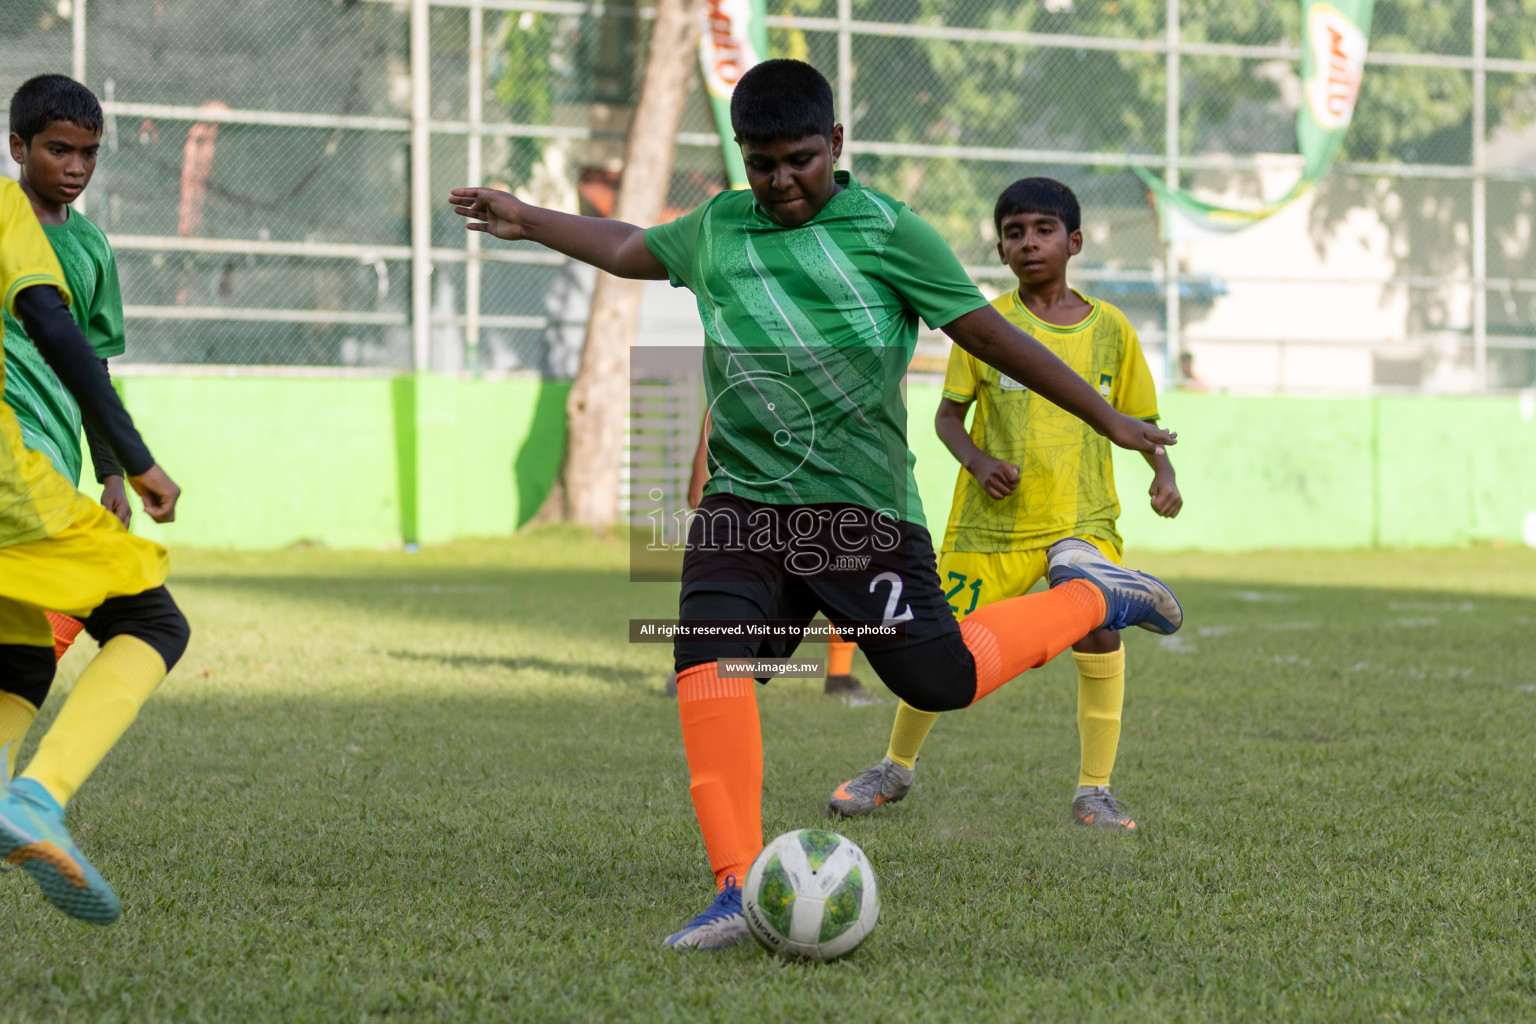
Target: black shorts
{"type": "Point", "coordinates": [786, 563]}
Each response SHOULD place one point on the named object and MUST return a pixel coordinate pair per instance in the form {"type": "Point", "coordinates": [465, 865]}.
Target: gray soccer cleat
{"type": "Point", "coordinates": [885, 783]}
{"type": "Point", "coordinates": [1131, 598]}
{"type": "Point", "coordinates": [1098, 808]}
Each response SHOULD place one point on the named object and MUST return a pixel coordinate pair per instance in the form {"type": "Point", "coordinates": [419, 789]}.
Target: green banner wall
{"type": "Point", "coordinates": [267, 462]}
{"type": "Point", "coordinates": [1259, 473]}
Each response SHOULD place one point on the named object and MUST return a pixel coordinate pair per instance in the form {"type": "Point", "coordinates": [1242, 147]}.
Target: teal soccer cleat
{"type": "Point", "coordinates": [717, 926]}
{"type": "Point", "coordinates": [33, 838]}
{"type": "Point", "coordinates": [1131, 598]}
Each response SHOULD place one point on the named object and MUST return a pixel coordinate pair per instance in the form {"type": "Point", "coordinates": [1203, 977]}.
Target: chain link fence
{"type": "Point", "coordinates": [257, 167]}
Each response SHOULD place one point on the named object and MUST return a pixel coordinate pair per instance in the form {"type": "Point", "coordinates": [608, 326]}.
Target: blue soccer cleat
{"type": "Point", "coordinates": [1131, 598]}
{"type": "Point", "coordinates": [33, 838]}
{"type": "Point", "coordinates": [719, 925]}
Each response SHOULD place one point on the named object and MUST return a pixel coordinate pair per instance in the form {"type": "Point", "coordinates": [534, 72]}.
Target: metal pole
{"type": "Point", "coordinates": [77, 64]}
{"type": "Point", "coordinates": [473, 171]}
{"type": "Point", "coordinates": [1480, 195]}
{"type": "Point", "coordinates": [845, 76]}
{"type": "Point", "coordinates": [1171, 328]}
{"type": "Point", "coordinates": [421, 188]}
{"type": "Point", "coordinates": [77, 30]}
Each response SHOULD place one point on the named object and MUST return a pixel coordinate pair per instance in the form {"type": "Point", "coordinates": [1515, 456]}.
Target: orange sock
{"type": "Point", "coordinates": [1021, 633]}
{"type": "Point", "coordinates": [724, 741]}
{"type": "Point", "coordinates": [65, 631]}
{"type": "Point", "coordinates": [840, 656]}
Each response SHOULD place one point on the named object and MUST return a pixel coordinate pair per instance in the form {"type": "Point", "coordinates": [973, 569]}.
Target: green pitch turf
{"type": "Point", "coordinates": [443, 787]}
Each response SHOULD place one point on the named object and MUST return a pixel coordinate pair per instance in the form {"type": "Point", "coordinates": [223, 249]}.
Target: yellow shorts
{"type": "Point", "coordinates": [975, 578]}
{"type": "Point", "coordinates": [73, 571]}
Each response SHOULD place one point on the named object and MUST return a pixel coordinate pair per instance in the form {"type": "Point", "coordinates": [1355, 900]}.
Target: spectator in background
{"type": "Point", "coordinates": [1186, 380]}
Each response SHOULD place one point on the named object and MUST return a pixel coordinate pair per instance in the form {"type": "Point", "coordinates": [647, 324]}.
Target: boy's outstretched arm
{"type": "Point", "coordinates": [987, 336]}
{"type": "Point", "coordinates": [610, 245]}
{"type": "Point", "coordinates": [1164, 492]}
{"type": "Point", "coordinates": [998, 478]}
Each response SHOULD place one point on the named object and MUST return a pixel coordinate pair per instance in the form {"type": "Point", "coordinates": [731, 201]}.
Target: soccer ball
{"type": "Point", "coordinates": [810, 895]}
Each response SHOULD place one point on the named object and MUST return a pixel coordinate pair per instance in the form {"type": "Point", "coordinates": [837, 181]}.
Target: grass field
{"type": "Point", "coordinates": [444, 787]}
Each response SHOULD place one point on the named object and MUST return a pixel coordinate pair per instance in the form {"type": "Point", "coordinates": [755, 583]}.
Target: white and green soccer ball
{"type": "Point", "coordinates": [810, 895]}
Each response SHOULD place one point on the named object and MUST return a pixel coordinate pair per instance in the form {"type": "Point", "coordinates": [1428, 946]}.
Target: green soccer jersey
{"type": "Point", "coordinates": [808, 334]}
{"type": "Point", "coordinates": [47, 412]}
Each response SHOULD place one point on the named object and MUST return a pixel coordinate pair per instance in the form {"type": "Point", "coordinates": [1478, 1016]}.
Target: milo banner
{"type": "Point", "coordinates": [734, 38]}
{"type": "Point", "coordinates": [1332, 62]}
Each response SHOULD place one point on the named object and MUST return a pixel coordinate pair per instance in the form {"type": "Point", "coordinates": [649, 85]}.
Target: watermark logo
{"type": "Point", "coordinates": [800, 456]}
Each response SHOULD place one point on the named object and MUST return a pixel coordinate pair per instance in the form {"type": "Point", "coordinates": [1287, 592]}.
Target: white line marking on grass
{"type": "Point", "coordinates": [1260, 596]}
{"type": "Point", "coordinates": [1428, 620]}
{"type": "Point", "coordinates": [1291, 627]}
{"type": "Point", "coordinates": [1215, 630]}
{"type": "Point", "coordinates": [1432, 606]}
{"type": "Point", "coordinates": [1415, 672]}
{"type": "Point", "coordinates": [867, 701]}
{"type": "Point", "coordinates": [452, 588]}
{"type": "Point", "coordinates": [1177, 644]}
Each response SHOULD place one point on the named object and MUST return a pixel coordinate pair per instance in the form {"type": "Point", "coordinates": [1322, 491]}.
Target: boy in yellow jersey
{"type": "Point", "coordinates": [56, 128]}
{"type": "Point", "coordinates": [1034, 477]}
{"type": "Point", "coordinates": [62, 552]}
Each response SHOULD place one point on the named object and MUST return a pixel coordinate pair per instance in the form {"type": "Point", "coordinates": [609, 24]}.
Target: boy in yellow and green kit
{"type": "Point", "coordinates": [60, 552]}
{"type": "Point", "coordinates": [1033, 476]}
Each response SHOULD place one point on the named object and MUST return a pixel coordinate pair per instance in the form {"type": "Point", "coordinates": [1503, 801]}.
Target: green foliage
{"type": "Point", "coordinates": [442, 787]}
{"type": "Point", "coordinates": [998, 95]}
{"type": "Point", "coordinates": [525, 87]}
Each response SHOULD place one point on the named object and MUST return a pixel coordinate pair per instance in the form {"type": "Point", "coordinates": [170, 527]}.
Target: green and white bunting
{"type": "Point", "coordinates": [1335, 37]}
{"type": "Point", "coordinates": [734, 38]}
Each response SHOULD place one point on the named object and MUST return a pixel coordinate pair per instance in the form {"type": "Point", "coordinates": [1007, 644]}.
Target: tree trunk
{"type": "Point", "coordinates": [587, 491]}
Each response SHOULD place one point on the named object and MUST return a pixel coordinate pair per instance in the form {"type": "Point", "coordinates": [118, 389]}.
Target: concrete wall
{"type": "Point", "coordinates": [367, 462]}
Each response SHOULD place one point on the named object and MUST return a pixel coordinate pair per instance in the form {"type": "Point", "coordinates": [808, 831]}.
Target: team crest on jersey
{"type": "Point", "coordinates": [1106, 384]}
{"type": "Point", "coordinates": [1009, 384]}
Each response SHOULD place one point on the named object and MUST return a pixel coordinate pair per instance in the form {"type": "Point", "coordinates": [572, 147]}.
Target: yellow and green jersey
{"type": "Point", "coordinates": [808, 334]}
{"type": "Point", "coordinates": [1066, 475]}
{"type": "Point", "coordinates": [35, 501]}
{"type": "Point", "coordinates": [47, 413]}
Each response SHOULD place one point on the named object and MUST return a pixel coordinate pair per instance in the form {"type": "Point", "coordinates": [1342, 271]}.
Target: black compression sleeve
{"type": "Point", "coordinates": [101, 452]}
{"type": "Point", "coordinates": [42, 312]}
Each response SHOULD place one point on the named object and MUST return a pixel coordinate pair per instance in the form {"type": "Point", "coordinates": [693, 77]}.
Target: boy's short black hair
{"type": "Point", "coordinates": [48, 98]}
{"type": "Point", "coordinates": [1038, 195]}
{"type": "Point", "coordinates": [781, 99]}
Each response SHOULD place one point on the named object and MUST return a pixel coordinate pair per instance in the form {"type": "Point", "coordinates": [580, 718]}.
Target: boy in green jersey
{"type": "Point", "coordinates": [809, 289]}
{"type": "Point", "coordinates": [56, 127]}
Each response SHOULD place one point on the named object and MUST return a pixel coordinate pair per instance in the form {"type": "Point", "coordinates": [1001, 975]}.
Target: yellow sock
{"type": "Point", "coordinates": [105, 701]}
{"type": "Point", "coordinates": [16, 716]}
{"type": "Point", "coordinates": [908, 733]}
{"type": "Point", "coordinates": [1100, 695]}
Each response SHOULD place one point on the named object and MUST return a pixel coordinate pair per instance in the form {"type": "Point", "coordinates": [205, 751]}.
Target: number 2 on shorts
{"type": "Point", "coordinates": [892, 600]}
